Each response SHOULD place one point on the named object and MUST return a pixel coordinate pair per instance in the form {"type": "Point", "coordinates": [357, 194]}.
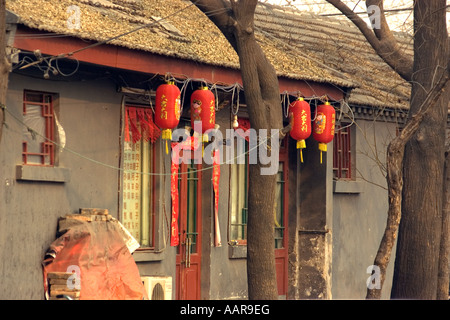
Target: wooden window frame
{"type": "Point", "coordinates": [343, 153]}
{"type": "Point", "coordinates": [48, 148]}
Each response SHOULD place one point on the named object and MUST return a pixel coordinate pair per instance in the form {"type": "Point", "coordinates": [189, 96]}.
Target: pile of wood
{"type": "Point", "coordinates": [63, 286]}
{"type": "Point", "coordinates": [85, 214]}
{"type": "Point", "coordinates": [92, 214]}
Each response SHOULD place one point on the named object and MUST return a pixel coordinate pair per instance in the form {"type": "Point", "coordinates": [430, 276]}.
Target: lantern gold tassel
{"type": "Point", "coordinates": [301, 144]}
{"type": "Point", "coordinates": [205, 138]}
{"type": "Point", "coordinates": [322, 148]}
{"type": "Point", "coordinates": [166, 135]}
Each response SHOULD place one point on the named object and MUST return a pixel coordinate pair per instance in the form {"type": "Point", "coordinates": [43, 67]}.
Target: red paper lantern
{"type": "Point", "coordinates": [167, 109]}
{"type": "Point", "coordinates": [300, 117]}
{"type": "Point", "coordinates": [323, 126]}
{"type": "Point", "coordinates": [203, 110]}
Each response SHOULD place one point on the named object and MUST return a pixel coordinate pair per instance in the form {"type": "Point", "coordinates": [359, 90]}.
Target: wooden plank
{"type": "Point", "coordinates": [59, 281]}
{"type": "Point", "coordinates": [94, 211]}
{"type": "Point", "coordinates": [62, 287]}
{"type": "Point", "coordinates": [59, 275]}
{"type": "Point", "coordinates": [73, 294]}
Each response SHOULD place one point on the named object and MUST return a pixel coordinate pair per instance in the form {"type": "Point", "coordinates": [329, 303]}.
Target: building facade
{"type": "Point", "coordinates": [74, 138]}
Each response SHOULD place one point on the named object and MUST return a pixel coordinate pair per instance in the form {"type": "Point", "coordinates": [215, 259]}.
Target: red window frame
{"type": "Point", "coordinates": [342, 153]}
{"type": "Point", "coordinates": [46, 102]}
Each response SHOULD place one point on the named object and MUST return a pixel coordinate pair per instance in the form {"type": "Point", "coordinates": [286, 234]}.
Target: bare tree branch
{"type": "Point", "coordinates": [381, 39]}
{"type": "Point", "coordinates": [222, 17]}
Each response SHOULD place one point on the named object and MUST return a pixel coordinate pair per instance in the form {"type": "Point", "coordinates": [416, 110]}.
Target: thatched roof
{"type": "Point", "coordinates": [300, 46]}
{"type": "Point", "coordinates": [337, 44]}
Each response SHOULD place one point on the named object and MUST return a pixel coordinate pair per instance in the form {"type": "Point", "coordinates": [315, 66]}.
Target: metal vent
{"type": "Point", "coordinates": [158, 292]}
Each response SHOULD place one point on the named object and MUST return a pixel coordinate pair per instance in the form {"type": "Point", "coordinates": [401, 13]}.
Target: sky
{"type": "Point", "coordinates": [398, 21]}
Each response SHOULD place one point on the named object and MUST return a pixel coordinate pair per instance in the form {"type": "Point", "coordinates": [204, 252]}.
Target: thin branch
{"type": "Point", "coordinates": [381, 40]}
{"type": "Point", "coordinates": [224, 19]}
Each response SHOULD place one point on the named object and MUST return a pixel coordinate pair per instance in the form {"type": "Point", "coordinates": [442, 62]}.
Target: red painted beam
{"type": "Point", "coordinates": [146, 62]}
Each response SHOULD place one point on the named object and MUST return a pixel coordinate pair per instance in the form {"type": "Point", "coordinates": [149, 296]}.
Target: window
{"type": "Point", "coordinates": [188, 214]}
{"type": "Point", "coordinates": [342, 153]}
{"type": "Point", "coordinates": [239, 197]}
{"type": "Point", "coordinates": [137, 183]}
{"type": "Point", "coordinates": [279, 207]}
{"type": "Point", "coordinates": [238, 194]}
{"type": "Point", "coordinates": [38, 115]}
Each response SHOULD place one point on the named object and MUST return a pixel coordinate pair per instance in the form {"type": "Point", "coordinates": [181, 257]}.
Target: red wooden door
{"type": "Point", "coordinates": [188, 257]}
{"type": "Point", "coordinates": [281, 226]}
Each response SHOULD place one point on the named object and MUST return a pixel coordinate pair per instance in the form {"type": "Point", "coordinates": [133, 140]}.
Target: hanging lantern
{"type": "Point", "coordinates": [300, 117]}
{"type": "Point", "coordinates": [203, 110]}
{"type": "Point", "coordinates": [323, 126]}
{"type": "Point", "coordinates": [167, 110]}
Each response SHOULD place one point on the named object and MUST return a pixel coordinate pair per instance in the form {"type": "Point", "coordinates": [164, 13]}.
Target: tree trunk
{"type": "Point", "coordinates": [416, 265]}
{"type": "Point", "coordinates": [417, 169]}
{"type": "Point", "coordinates": [262, 97]}
{"type": "Point", "coordinates": [4, 64]}
{"type": "Point", "coordinates": [394, 165]}
{"type": "Point", "coordinates": [444, 264]}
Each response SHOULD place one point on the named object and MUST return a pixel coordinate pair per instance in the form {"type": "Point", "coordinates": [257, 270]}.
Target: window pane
{"type": "Point", "coordinates": [238, 193]}
{"type": "Point", "coordinates": [146, 194]}
{"type": "Point", "coordinates": [137, 190]}
{"type": "Point", "coordinates": [192, 206]}
{"type": "Point", "coordinates": [34, 140]}
{"type": "Point", "coordinates": [342, 153]}
{"type": "Point", "coordinates": [279, 207]}
{"type": "Point", "coordinates": [132, 189]}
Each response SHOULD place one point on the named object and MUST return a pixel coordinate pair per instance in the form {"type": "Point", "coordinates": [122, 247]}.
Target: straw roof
{"type": "Point", "coordinates": [337, 44]}
{"type": "Point", "coordinates": [300, 46]}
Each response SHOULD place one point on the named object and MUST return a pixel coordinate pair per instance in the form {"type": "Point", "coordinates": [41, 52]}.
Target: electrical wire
{"type": "Point", "coordinates": [61, 147]}
{"type": "Point", "coordinates": [49, 59]}
{"type": "Point", "coordinates": [69, 54]}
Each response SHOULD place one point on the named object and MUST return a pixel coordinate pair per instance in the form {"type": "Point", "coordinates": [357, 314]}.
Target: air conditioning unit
{"type": "Point", "coordinates": [158, 287]}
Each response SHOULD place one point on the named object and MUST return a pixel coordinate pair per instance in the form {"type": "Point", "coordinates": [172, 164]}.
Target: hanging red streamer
{"type": "Point", "coordinates": [139, 121]}
{"type": "Point", "coordinates": [156, 132]}
{"type": "Point", "coordinates": [127, 127]}
{"type": "Point", "coordinates": [189, 144]}
{"type": "Point", "coordinates": [149, 131]}
{"type": "Point", "coordinates": [174, 237]}
{"type": "Point", "coordinates": [135, 133]}
{"type": "Point", "coordinates": [216, 180]}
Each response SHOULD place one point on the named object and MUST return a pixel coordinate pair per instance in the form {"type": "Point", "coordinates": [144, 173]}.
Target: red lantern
{"type": "Point", "coordinates": [203, 110]}
{"type": "Point", "coordinates": [167, 110]}
{"type": "Point", "coordinates": [323, 126]}
{"type": "Point", "coordinates": [300, 117]}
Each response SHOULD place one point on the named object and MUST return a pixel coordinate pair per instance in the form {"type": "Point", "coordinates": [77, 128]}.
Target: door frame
{"type": "Point", "coordinates": [188, 264]}
{"type": "Point", "coordinates": [281, 254]}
